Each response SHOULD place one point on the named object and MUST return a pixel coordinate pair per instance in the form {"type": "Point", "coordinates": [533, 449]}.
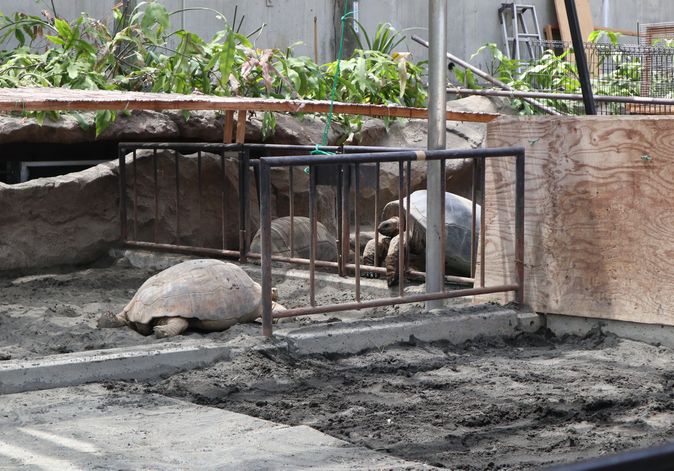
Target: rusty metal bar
{"type": "Point", "coordinates": [182, 249]}
{"type": "Point", "coordinates": [483, 243]}
{"type": "Point", "coordinates": [200, 191]}
{"type": "Point", "coordinates": [291, 204]}
{"type": "Point", "coordinates": [340, 216]}
{"type": "Point", "coordinates": [135, 197]}
{"type": "Point", "coordinates": [416, 298]}
{"type": "Point", "coordinates": [460, 280]}
{"type": "Point", "coordinates": [408, 217]}
{"type": "Point", "coordinates": [395, 156]}
{"type": "Point", "coordinates": [177, 162]}
{"type": "Point", "coordinates": [266, 247]}
{"type": "Point", "coordinates": [473, 227]}
{"type": "Point", "coordinates": [156, 196]}
{"type": "Point", "coordinates": [313, 218]}
{"type": "Point", "coordinates": [443, 232]}
{"type": "Point", "coordinates": [402, 228]}
{"type": "Point", "coordinates": [519, 227]}
{"type": "Point", "coordinates": [244, 204]}
{"type": "Point", "coordinates": [223, 206]}
{"type": "Point", "coordinates": [376, 214]}
{"type": "Point", "coordinates": [235, 147]}
{"type": "Point", "coordinates": [123, 225]}
{"type": "Point", "coordinates": [183, 146]}
{"type": "Point", "coordinates": [346, 218]}
{"type": "Point", "coordinates": [357, 223]}
{"type": "Point", "coordinates": [233, 254]}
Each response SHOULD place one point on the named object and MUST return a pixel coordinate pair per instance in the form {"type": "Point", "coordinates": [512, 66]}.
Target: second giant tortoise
{"type": "Point", "coordinates": [458, 234]}
{"type": "Point", "coordinates": [326, 248]}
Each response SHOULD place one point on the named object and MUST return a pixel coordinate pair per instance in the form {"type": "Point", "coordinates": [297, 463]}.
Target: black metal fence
{"type": "Point", "coordinates": [616, 70]}
{"type": "Point", "coordinates": [344, 171]}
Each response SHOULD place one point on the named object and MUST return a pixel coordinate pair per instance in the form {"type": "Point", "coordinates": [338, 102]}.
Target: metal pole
{"type": "Point", "coordinates": [265, 247]}
{"type": "Point", "coordinates": [437, 139]}
{"type": "Point", "coordinates": [581, 60]}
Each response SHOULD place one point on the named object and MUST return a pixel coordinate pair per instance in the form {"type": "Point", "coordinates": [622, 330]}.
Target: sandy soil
{"type": "Point", "coordinates": [512, 404]}
{"type": "Point", "coordinates": [55, 312]}
{"type": "Point", "coordinates": [488, 404]}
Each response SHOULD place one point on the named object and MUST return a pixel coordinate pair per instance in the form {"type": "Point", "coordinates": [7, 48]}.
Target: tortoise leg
{"type": "Point", "coordinates": [142, 329]}
{"type": "Point", "coordinates": [368, 258]}
{"type": "Point", "coordinates": [392, 272]}
{"type": "Point", "coordinates": [111, 321]}
{"type": "Point", "coordinates": [170, 327]}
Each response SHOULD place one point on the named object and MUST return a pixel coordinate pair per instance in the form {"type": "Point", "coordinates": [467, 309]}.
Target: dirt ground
{"type": "Point", "coordinates": [55, 311]}
{"type": "Point", "coordinates": [492, 403]}
{"type": "Point", "coordinates": [505, 404]}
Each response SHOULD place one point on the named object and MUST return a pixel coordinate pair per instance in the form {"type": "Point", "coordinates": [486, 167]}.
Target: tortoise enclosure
{"type": "Point", "coordinates": [490, 403]}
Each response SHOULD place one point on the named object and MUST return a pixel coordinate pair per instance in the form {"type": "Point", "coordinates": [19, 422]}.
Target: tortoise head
{"type": "Point", "coordinates": [390, 227]}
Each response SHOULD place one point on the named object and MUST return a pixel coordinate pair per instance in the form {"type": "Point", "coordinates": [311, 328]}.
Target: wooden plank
{"type": "Point", "coordinates": [599, 220]}
{"type": "Point", "coordinates": [584, 19]}
{"type": "Point", "coordinates": [228, 133]}
{"type": "Point", "coordinates": [61, 99]}
{"type": "Point", "coordinates": [241, 127]}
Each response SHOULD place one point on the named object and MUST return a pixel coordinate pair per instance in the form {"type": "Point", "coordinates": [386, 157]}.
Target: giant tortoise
{"type": "Point", "coordinates": [326, 247]}
{"type": "Point", "coordinates": [207, 294]}
{"type": "Point", "coordinates": [458, 232]}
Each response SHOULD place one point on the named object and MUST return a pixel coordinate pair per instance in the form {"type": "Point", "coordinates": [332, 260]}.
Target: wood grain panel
{"type": "Point", "coordinates": [599, 215]}
{"type": "Point", "coordinates": [584, 19]}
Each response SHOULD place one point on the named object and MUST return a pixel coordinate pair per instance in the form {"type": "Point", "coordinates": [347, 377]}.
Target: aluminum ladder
{"type": "Point", "coordinates": [523, 31]}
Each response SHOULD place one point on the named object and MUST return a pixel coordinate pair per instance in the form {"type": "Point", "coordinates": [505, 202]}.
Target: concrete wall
{"type": "Point", "coordinates": [472, 23]}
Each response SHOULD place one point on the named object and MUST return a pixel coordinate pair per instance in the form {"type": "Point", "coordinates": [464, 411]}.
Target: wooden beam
{"type": "Point", "coordinates": [228, 134]}
{"type": "Point", "coordinates": [61, 99]}
{"type": "Point", "coordinates": [598, 230]}
{"type": "Point", "coordinates": [241, 127]}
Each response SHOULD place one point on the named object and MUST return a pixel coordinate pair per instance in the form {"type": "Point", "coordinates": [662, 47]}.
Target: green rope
{"type": "Point", "coordinates": [335, 82]}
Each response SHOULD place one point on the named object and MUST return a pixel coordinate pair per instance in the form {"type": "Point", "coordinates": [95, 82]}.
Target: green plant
{"type": "Point", "coordinates": [135, 56]}
{"type": "Point", "coordinates": [386, 38]}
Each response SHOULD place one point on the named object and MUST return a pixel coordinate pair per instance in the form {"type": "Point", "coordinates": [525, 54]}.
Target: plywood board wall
{"type": "Point", "coordinates": [584, 19]}
{"type": "Point", "coordinates": [599, 215]}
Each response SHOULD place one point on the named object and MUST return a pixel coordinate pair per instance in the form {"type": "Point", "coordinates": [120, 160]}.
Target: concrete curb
{"type": "Point", "coordinates": [453, 325]}
{"type": "Point", "coordinates": [152, 362]}
{"type": "Point", "coordinates": [143, 362]}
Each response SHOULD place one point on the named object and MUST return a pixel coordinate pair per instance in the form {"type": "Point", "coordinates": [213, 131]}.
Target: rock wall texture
{"type": "Point", "coordinates": [74, 218]}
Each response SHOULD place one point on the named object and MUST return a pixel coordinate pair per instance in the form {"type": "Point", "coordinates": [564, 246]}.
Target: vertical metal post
{"type": "Point", "coordinates": [402, 230]}
{"type": "Point", "coordinates": [122, 196]}
{"type": "Point", "coordinates": [156, 196]}
{"type": "Point", "coordinates": [473, 227]}
{"type": "Point", "coordinates": [357, 223]}
{"type": "Point", "coordinates": [177, 198]}
{"type": "Point", "coordinates": [223, 202]}
{"type": "Point", "coordinates": [581, 59]}
{"type": "Point", "coordinates": [313, 248]}
{"type": "Point", "coordinates": [244, 203]}
{"type": "Point", "coordinates": [346, 218]}
{"type": "Point", "coordinates": [135, 197]}
{"type": "Point", "coordinates": [200, 192]}
{"type": "Point", "coordinates": [519, 227]}
{"type": "Point", "coordinates": [291, 204]}
{"type": "Point", "coordinates": [483, 220]}
{"type": "Point", "coordinates": [265, 246]}
{"type": "Point", "coordinates": [437, 103]}
{"type": "Point", "coordinates": [376, 215]}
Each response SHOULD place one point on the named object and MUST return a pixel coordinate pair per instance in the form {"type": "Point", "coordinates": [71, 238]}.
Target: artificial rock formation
{"type": "Point", "coordinates": [74, 218]}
